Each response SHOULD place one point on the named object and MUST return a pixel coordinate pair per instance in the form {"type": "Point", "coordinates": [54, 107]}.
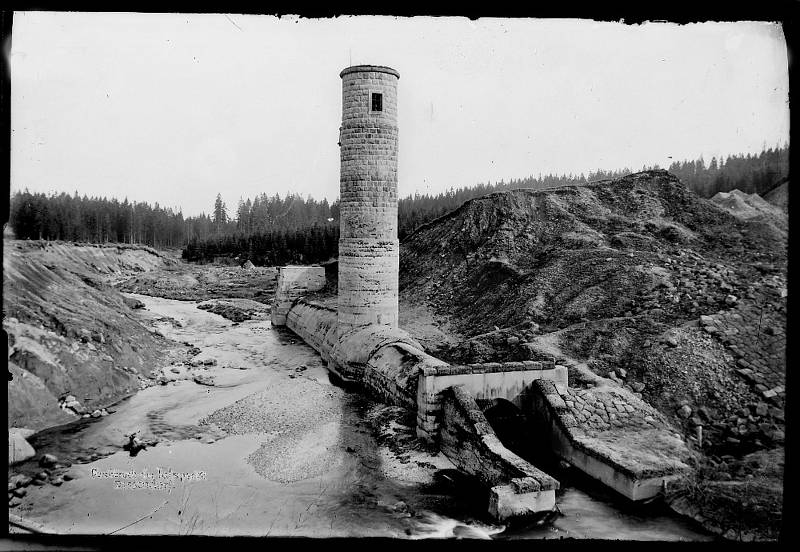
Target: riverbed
{"type": "Point", "coordinates": [273, 448]}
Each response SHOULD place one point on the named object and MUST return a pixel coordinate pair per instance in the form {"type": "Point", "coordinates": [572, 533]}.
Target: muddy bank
{"type": "Point", "coordinates": [74, 345]}
{"type": "Point", "coordinates": [326, 478]}
{"type": "Point", "coordinates": [203, 282]}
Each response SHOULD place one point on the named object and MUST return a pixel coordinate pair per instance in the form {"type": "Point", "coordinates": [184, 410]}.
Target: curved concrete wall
{"type": "Point", "coordinates": [363, 355]}
{"type": "Point", "coordinates": [368, 245]}
{"type": "Point", "coordinates": [393, 373]}
{"type": "Point", "coordinates": [312, 322]}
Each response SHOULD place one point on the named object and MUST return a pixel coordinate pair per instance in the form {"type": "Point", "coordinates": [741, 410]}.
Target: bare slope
{"type": "Point", "coordinates": [622, 270]}
{"type": "Point", "coordinates": [69, 331]}
{"type": "Point", "coordinates": [559, 256]}
{"type": "Point", "coordinates": [638, 280]}
{"type": "Point", "coordinates": [779, 195]}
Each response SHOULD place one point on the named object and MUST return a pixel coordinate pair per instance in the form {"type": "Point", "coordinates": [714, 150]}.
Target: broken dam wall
{"type": "Point", "coordinates": [516, 488]}
{"type": "Point", "coordinates": [391, 366]}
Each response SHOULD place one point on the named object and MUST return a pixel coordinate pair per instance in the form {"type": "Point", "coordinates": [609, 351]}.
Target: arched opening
{"type": "Point", "coordinates": [512, 428]}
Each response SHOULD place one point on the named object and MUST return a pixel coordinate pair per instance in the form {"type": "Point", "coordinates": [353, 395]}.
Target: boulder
{"type": "Point", "coordinates": [48, 460]}
{"type": "Point", "coordinates": [19, 480]}
{"type": "Point", "coordinates": [19, 449]}
{"type": "Point", "coordinates": [685, 411]}
{"type": "Point", "coordinates": [75, 406]}
{"type": "Point", "coordinates": [204, 379]}
{"type": "Point", "coordinates": [132, 303]}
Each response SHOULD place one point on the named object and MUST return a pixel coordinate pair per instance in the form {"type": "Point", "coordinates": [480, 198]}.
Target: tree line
{"type": "Point", "coordinates": [93, 219]}
{"type": "Point", "coordinates": [748, 173]}
{"type": "Point", "coordinates": [273, 230]}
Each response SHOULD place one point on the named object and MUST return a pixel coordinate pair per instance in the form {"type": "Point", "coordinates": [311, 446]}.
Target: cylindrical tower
{"type": "Point", "coordinates": [368, 245]}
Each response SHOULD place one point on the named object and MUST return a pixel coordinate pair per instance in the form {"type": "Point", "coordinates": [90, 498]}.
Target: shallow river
{"type": "Point", "coordinates": [310, 464]}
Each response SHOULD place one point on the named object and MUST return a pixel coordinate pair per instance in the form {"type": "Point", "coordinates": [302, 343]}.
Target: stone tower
{"type": "Point", "coordinates": [368, 245]}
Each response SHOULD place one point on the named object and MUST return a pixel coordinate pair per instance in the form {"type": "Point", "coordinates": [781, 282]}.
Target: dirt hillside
{"type": "Point", "coordinates": [779, 195]}
{"type": "Point", "coordinates": [678, 298]}
{"type": "Point", "coordinates": [69, 332]}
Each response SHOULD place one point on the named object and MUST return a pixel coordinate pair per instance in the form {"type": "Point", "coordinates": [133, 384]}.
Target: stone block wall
{"type": "Point", "coordinates": [492, 380]}
{"type": "Point", "coordinates": [610, 435]}
{"type": "Point", "coordinates": [294, 282]}
{"type": "Point", "coordinates": [368, 245]}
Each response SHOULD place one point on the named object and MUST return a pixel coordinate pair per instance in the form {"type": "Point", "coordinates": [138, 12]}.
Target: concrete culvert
{"type": "Point", "coordinates": [513, 429]}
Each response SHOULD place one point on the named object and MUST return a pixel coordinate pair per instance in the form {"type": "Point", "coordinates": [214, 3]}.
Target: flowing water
{"type": "Point", "coordinates": [310, 464]}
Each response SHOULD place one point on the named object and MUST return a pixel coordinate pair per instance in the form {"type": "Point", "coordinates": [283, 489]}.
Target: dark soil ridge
{"type": "Point", "coordinates": [623, 270]}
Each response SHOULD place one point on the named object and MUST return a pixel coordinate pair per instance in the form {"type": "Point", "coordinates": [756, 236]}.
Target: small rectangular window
{"type": "Point", "coordinates": [377, 102]}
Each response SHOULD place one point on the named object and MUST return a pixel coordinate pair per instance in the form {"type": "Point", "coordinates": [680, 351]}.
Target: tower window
{"type": "Point", "coordinates": [377, 102]}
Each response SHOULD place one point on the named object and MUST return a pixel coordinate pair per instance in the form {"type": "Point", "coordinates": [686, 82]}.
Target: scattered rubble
{"type": "Point", "coordinates": [205, 282]}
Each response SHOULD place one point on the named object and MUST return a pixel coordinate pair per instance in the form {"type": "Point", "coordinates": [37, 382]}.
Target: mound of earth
{"type": "Point", "coordinates": [236, 310]}
{"type": "Point", "coordinates": [638, 280]}
{"type": "Point", "coordinates": [750, 206]}
{"type": "Point", "coordinates": [74, 345]}
{"type": "Point", "coordinates": [204, 282]}
{"type": "Point", "coordinates": [779, 195]}
{"type": "Point", "coordinates": [557, 257]}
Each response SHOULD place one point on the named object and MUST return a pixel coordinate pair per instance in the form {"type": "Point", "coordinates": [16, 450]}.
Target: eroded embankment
{"type": "Point", "coordinates": [678, 299]}
{"type": "Point", "coordinates": [70, 334]}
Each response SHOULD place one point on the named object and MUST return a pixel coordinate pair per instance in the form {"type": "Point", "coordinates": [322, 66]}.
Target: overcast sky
{"type": "Point", "coordinates": [174, 108]}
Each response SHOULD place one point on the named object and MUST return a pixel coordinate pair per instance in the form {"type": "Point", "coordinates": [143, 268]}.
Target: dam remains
{"type": "Point", "coordinates": [612, 436]}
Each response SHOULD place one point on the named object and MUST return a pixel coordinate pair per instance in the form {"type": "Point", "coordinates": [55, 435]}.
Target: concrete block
{"type": "Point", "coordinates": [506, 504]}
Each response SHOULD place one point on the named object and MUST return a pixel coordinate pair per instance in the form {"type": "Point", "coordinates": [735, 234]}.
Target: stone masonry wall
{"type": "Point", "coordinates": [312, 323]}
{"type": "Point", "coordinates": [392, 373]}
{"type": "Point", "coordinates": [492, 380]}
{"type": "Point", "coordinates": [368, 245]}
{"type": "Point", "coordinates": [293, 283]}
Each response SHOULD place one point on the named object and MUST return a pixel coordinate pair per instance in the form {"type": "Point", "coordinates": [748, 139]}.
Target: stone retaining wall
{"type": "Point", "coordinates": [628, 446]}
